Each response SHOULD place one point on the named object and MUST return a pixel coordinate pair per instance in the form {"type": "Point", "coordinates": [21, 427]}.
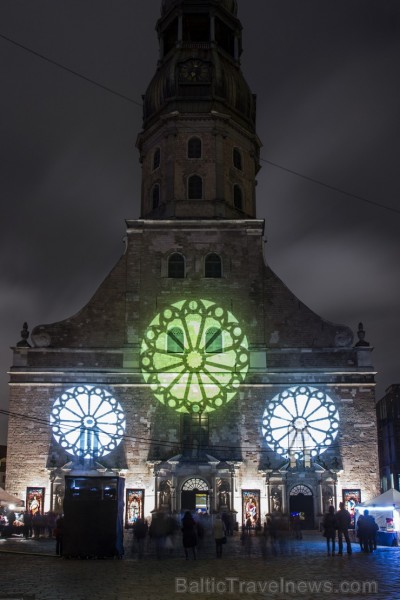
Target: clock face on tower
{"type": "Point", "coordinates": [194, 71]}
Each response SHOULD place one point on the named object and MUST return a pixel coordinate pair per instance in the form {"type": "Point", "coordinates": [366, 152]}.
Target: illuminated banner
{"type": "Point", "coordinates": [251, 507]}
{"type": "Point", "coordinates": [35, 499]}
{"type": "Point", "coordinates": [351, 498]}
{"type": "Point", "coordinates": [134, 506]}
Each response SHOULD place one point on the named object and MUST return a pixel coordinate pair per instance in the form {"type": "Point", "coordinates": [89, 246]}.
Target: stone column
{"type": "Point", "coordinates": [321, 497]}
{"type": "Point", "coordinates": [284, 499]}
{"type": "Point", "coordinates": [268, 493]}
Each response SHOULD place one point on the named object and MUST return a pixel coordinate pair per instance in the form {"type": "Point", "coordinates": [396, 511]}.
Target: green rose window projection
{"type": "Point", "coordinates": [194, 356]}
{"type": "Point", "coordinates": [300, 420]}
{"type": "Point", "coordinates": [87, 421]}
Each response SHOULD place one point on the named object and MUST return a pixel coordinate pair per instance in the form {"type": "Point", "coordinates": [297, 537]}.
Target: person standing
{"type": "Point", "coordinates": [330, 527]}
{"type": "Point", "coordinates": [367, 531]}
{"type": "Point", "coordinates": [27, 519]}
{"type": "Point", "coordinates": [189, 537]}
{"type": "Point", "coordinates": [219, 531]}
{"type": "Point", "coordinates": [140, 529]}
{"type": "Point", "coordinates": [59, 533]}
{"type": "Point", "coordinates": [343, 519]}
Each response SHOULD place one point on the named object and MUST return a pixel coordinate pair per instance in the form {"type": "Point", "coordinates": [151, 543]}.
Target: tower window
{"type": "Point", "coordinates": [194, 147]}
{"type": "Point", "coordinates": [156, 196]}
{"type": "Point", "coordinates": [196, 28]}
{"type": "Point", "coordinates": [156, 158]}
{"type": "Point", "coordinates": [195, 187]}
{"type": "Point", "coordinates": [170, 36]}
{"type": "Point", "coordinates": [214, 341]}
{"type": "Point", "coordinates": [175, 340]}
{"type": "Point", "coordinates": [194, 434]}
{"type": "Point", "coordinates": [213, 266]}
{"type": "Point", "coordinates": [238, 197]}
{"type": "Point", "coordinates": [225, 37]}
{"type": "Point", "coordinates": [237, 159]}
{"type": "Point", "coordinates": [176, 266]}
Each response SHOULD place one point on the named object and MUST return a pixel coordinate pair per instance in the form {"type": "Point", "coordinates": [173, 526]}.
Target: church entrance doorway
{"type": "Point", "coordinates": [301, 506]}
{"type": "Point", "coordinates": [195, 496]}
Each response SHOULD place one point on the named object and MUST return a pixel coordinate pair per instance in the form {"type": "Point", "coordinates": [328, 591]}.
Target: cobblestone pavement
{"type": "Point", "coordinates": [30, 569]}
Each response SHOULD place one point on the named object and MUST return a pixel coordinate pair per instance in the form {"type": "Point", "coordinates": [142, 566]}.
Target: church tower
{"type": "Point", "coordinates": [193, 373]}
{"type": "Point", "coordinates": [198, 147]}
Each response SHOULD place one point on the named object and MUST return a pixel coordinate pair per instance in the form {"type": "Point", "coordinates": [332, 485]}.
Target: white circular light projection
{"type": "Point", "coordinates": [87, 421]}
{"type": "Point", "coordinates": [300, 420]}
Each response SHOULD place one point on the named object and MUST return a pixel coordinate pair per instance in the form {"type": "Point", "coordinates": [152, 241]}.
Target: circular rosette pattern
{"type": "Point", "coordinates": [300, 421]}
{"type": "Point", "coordinates": [194, 356]}
{"type": "Point", "coordinates": [87, 421]}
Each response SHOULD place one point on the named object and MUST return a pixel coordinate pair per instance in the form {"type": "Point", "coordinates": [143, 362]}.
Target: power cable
{"type": "Point", "coordinates": [330, 187]}
{"type": "Point", "coordinates": [140, 104]}
{"type": "Point", "coordinates": [71, 71]}
{"type": "Point", "coordinates": [147, 441]}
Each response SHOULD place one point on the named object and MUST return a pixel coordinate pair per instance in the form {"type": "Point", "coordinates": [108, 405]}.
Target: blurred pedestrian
{"type": "Point", "coordinates": [189, 537]}
{"type": "Point", "coordinates": [59, 534]}
{"type": "Point", "coordinates": [330, 526]}
{"type": "Point", "coordinates": [343, 519]}
{"type": "Point", "coordinates": [27, 520]}
{"type": "Point", "coordinates": [219, 531]}
{"type": "Point", "coordinates": [140, 529]}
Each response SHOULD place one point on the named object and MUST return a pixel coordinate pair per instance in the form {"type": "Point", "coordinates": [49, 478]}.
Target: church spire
{"type": "Point", "coordinates": [199, 149]}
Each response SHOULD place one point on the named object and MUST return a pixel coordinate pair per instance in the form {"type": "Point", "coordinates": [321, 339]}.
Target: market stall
{"type": "Point", "coordinates": [385, 509]}
{"type": "Point", "coordinates": [8, 519]}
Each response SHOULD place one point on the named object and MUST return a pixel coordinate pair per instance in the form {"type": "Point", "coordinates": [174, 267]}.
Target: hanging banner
{"type": "Point", "coordinates": [134, 506]}
{"type": "Point", "coordinates": [351, 498]}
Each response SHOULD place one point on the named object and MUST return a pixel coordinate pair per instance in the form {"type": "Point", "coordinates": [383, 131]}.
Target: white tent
{"type": "Point", "coordinates": [385, 509]}
{"type": "Point", "coordinates": [390, 499]}
{"type": "Point", "coordinates": [6, 499]}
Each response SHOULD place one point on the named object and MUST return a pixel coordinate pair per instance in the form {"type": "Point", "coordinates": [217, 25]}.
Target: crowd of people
{"type": "Point", "coordinates": [340, 522]}
{"type": "Point", "coordinates": [167, 533]}
{"type": "Point", "coordinates": [27, 523]}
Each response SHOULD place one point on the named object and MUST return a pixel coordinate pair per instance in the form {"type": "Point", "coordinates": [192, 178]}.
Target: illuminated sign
{"type": "Point", "coordinates": [299, 421]}
{"type": "Point", "coordinates": [194, 356]}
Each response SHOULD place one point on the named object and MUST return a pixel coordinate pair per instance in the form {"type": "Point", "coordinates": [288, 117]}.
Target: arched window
{"type": "Point", "coordinates": [194, 147]}
{"type": "Point", "coordinates": [213, 266]}
{"type": "Point", "coordinates": [238, 197]}
{"type": "Point", "coordinates": [194, 440]}
{"type": "Point", "coordinates": [175, 340]}
{"type": "Point", "coordinates": [195, 187]}
{"type": "Point", "coordinates": [237, 159]}
{"type": "Point", "coordinates": [214, 340]}
{"type": "Point", "coordinates": [176, 266]}
{"type": "Point", "coordinates": [156, 158]}
{"type": "Point", "coordinates": [156, 196]}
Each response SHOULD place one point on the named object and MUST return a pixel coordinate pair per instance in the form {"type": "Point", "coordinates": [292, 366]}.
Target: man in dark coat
{"type": "Point", "coordinates": [367, 529]}
{"type": "Point", "coordinates": [343, 520]}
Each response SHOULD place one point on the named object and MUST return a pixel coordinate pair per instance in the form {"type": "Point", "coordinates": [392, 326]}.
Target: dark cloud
{"type": "Point", "coordinates": [326, 77]}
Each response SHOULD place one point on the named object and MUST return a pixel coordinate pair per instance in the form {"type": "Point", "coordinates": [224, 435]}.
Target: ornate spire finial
{"type": "Point", "coordinates": [361, 336]}
{"type": "Point", "coordinates": [23, 343]}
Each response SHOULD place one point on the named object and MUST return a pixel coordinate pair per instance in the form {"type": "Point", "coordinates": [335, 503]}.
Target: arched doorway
{"type": "Point", "coordinates": [195, 495]}
{"type": "Point", "coordinates": [301, 505]}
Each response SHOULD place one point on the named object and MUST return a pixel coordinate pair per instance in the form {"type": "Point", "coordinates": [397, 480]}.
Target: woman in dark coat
{"type": "Point", "coordinates": [189, 537]}
{"type": "Point", "coordinates": [330, 526]}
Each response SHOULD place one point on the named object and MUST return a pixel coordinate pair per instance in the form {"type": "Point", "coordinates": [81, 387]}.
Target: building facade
{"type": "Point", "coordinates": [193, 373]}
{"type": "Point", "coordinates": [3, 461]}
{"type": "Point", "coordinates": [388, 419]}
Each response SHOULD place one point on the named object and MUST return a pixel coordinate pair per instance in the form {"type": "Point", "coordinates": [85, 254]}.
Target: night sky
{"type": "Point", "coordinates": [326, 74]}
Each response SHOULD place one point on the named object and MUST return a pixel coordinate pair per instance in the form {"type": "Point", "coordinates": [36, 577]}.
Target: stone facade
{"type": "Point", "coordinates": [203, 428]}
